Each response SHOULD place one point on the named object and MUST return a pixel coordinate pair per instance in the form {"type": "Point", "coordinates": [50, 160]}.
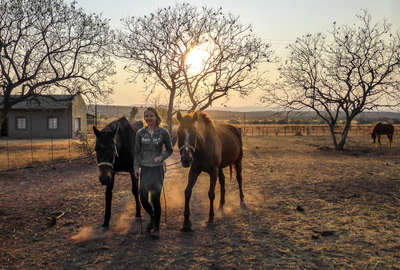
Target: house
{"type": "Point", "coordinates": [46, 116]}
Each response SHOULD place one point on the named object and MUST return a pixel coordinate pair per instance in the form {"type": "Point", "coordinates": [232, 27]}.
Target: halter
{"type": "Point", "coordinates": [115, 154]}
{"type": "Point", "coordinates": [186, 144]}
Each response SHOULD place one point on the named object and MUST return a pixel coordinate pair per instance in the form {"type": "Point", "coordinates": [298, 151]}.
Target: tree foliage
{"type": "Point", "coordinates": [156, 47]}
{"type": "Point", "coordinates": [48, 47]}
{"type": "Point", "coordinates": [345, 72]}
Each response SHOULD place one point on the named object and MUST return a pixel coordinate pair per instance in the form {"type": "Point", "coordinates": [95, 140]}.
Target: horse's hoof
{"type": "Point", "coordinates": [105, 225]}
{"type": "Point", "coordinates": [186, 229]}
{"type": "Point", "coordinates": [138, 218]}
{"type": "Point", "coordinates": [155, 234]}
{"type": "Point", "coordinates": [104, 228]}
{"type": "Point", "coordinates": [243, 205]}
{"type": "Point", "coordinates": [210, 224]}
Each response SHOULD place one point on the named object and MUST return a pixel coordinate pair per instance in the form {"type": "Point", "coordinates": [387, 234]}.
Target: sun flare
{"type": "Point", "coordinates": [196, 59]}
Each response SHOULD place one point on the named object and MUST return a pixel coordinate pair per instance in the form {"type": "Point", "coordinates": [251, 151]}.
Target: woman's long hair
{"type": "Point", "coordinates": [158, 118]}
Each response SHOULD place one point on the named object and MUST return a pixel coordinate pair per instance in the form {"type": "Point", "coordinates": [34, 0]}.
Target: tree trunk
{"type": "Point", "coordinates": [345, 132]}
{"type": "Point", "coordinates": [170, 110]}
{"type": "Point", "coordinates": [332, 130]}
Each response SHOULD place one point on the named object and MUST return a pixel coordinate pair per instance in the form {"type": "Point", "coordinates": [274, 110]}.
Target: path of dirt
{"type": "Point", "coordinates": [307, 207]}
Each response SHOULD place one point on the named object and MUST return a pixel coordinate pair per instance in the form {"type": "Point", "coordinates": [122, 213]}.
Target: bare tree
{"type": "Point", "coordinates": [48, 47]}
{"type": "Point", "coordinates": [157, 47]}
{"type": "Point", "coordinates": [350, 70]}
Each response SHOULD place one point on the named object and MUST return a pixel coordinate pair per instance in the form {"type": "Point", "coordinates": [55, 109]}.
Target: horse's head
{"type": "Point", "coordinates": [106, 152]}
{"type": "Point", "coordinates": [187, 138]}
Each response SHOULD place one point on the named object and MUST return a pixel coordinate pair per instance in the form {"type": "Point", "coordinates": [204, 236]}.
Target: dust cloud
{"type": "Point", "coordinates": [88, 233]}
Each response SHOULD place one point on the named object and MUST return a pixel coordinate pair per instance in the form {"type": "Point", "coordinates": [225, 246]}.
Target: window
{"type": "Point", "coordinates": [52, 123]}
{"type": "Point", "coordinates": [77, 124]}
{"type": "Point", "coordinates": [20, 123]}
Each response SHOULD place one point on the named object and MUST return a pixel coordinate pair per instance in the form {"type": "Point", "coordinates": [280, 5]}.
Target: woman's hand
{"type": "Point", "coordinates": [136, 174]}
{"type": "Point", "coordinates": [157, 159]}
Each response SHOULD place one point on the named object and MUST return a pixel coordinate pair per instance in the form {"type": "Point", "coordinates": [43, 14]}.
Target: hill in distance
{"type": "Point", "coordinates": [248, 113]}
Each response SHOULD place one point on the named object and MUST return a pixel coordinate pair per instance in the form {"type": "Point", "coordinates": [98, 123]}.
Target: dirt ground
{"type": "Point", "coordinates": [308, 207]}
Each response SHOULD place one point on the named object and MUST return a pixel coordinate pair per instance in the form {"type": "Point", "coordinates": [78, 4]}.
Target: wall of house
{"type": "Point", "coordinates": [79, 110]}
{"type": "Point", "coordinates": [37, 124]}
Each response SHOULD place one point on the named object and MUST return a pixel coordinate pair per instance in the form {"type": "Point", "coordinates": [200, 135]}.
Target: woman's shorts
{"type": "Point", "coordinates": [151, 178]}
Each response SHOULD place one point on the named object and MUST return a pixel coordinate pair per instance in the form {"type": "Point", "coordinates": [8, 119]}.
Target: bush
{"type": "Point", "coordinates": [85, 144]}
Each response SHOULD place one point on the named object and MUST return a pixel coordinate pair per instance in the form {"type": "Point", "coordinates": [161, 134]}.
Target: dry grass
{"type": "Point", "coordinates": [22, 153]}
{"type": "Point", "coordinates": [308, 207]}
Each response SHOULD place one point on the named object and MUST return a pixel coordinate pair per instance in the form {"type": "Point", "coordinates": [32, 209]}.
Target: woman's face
{"type": "Point", "coordinates": [150, 118]}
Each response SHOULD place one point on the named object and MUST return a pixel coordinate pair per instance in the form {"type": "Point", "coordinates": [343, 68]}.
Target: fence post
{"type": "Point", "coordinates": [8, 155]}
{"type": "Point", "coordinates": [52, 155]}
{"type": "Point", "coordinates": [30, 129]}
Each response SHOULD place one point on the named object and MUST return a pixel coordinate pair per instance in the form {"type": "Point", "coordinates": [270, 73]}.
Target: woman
{"type": "Point", "coordinates": [149, 157]}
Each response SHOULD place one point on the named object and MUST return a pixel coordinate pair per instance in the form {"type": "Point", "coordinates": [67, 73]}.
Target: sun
{"type": "Point", "coordinates": [196, 59]}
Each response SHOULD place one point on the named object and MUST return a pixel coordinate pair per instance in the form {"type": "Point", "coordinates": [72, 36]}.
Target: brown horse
{"type": "Point", "coordinates": [382, 129]}
{"type": "Point", "coordinates": [207, 147]}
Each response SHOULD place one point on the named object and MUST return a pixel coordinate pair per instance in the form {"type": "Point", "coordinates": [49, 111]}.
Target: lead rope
{"type": "Point", "coordinates": [165, 203]}
{"type": "Point", "coordinates": [163, 170]}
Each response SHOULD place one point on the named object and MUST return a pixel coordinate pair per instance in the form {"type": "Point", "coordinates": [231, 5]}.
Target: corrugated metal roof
{"type": "Point", "coordinates": [43, 102]}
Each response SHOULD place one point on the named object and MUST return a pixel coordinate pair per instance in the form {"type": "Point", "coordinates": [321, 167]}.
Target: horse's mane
{"type": "Point", "coordinates": [373, 130]}
{"type": "Point", "coordinates": [205, 119]}
{"type": "Point", "coordinates": [121, 122]}
{"type": "Point", "coordinates": [381, 127]}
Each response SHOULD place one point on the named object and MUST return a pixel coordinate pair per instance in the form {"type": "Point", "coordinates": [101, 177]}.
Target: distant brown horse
{"type": "Point", "coordinates": [382, 129]}
{"type": "Point", "coordinates": [207, 147]}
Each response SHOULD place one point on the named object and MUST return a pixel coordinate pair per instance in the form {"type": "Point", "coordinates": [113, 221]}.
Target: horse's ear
{"type": "Point", "coordinates": [139, 124]}
{"type": "Point", "coordinates": [195, 116]}
{"type": "Point", "coordinates": [174, 139]}
{"type": "Point", "coordinates": [115, 131]}
{"type": "Point", "coordinates": [179, 116]}
{"type": "Point", "coordinates": [96, 131]}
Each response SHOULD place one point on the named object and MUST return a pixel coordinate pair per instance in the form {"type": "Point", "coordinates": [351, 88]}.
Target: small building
{"type": "Point", "coordinates": [46, 116]}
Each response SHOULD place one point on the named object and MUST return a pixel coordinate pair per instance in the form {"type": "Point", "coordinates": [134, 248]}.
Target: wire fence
{"type": "Point", "coordinates": [15, 154]}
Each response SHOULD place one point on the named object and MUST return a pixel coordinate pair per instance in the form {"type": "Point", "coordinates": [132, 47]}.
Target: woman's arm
{"type": "Point", "coordinates": [168, 145]}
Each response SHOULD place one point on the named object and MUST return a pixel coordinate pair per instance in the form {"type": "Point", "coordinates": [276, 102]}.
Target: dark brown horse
{"type": "Point", "coordinates": [114, 152]}
{"type": "Point", "coordinates": [382, 129]}
{"type": "Point", "coordinates": [207, 147]}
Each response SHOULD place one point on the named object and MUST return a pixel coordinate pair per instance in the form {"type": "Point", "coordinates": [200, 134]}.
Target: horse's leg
{"type": "Point", "coordinates": [211, 193]}
{"type": "Point", "coordinates": [238, 168]}
{"type": "Point", "coordinates": [390, 137]}
{"type": "Point", "coordinates": [193, 174]}
{"type": "Point", "coordinates": [109, 190]}
{"type": "Point", "coordinates": [135, 192]}
{"type": "Point", "coordinates": [379, 139]}
{"type": "Point", "coordinates": [221, 178]}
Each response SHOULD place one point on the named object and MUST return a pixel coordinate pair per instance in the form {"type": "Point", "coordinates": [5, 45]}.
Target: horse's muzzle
{"type": "Point", "coordinates": [186, 162]}
{"type": "Point", "coordinates": [105, 176]}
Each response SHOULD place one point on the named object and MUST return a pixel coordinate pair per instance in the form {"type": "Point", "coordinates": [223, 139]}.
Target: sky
{"type": "Point", "coordinates": [279, 22]}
